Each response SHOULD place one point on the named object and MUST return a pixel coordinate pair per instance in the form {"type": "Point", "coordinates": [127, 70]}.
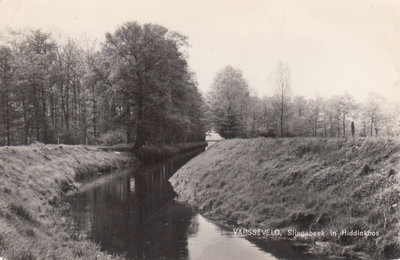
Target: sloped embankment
{"type": "Point", "coordinates": [33, 180]}
{"type": "Point", "coordinates": [303, 184]}
{"type": "Point", "coordinates": [154, 152]}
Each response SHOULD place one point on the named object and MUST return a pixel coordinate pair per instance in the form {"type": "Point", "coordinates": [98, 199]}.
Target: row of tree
{"type": "Point", "coordinates": [135, 88]}
{"type": "Point", "coordinates": [236, 112]}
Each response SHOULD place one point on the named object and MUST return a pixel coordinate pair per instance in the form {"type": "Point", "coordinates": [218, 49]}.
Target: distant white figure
{"type": "Point", "coordinates": [212, 137]}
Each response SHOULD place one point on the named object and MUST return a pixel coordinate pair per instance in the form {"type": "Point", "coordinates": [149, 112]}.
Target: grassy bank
{"type": "Point", "coordinates": [33, 183]}
{"type": "Point", "coordinates": [153, 152]}
{"type": "Point", "coordinates": [303, 184]}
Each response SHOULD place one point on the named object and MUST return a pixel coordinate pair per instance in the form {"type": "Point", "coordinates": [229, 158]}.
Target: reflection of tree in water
{"type": "Point", "coordinates": [166, 234]}
{"type": "Point", "coordinates": [138, 215]}
{"type": "Point", "coordinates": [165, 220]}
{"type": "Point", "coordinates": [193, 227]}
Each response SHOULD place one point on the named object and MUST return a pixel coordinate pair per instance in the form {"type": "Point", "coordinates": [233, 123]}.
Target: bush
{"type": "Point", "coordinates": [112, 137]}
{"type": "Point", "coordinates": [271, 132]}
{"type": "Point", "coordinates": [154, 152]}
{"type": "Point", "coordinates": [71, 137]}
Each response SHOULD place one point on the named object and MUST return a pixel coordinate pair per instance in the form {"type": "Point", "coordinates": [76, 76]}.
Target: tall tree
{"type": "Point", "coordinates": [315, 112]}
{"type": "Point", "coordinates": [7, 92]}
{"type": "Point", "coordinates": [299, 116]}
{"type": "Point", "coordinates": [281, 81]}
{"type": "Point", "coordinates": [150, 68]}
{"type": "Point", "coordinates": [345, 107]}
{"type": "Point", "coordinates": [36, 55]}
{"type": "Point", "coordinates": [372, 113]}
{"type": "Point", "coordinates": [229, 99]}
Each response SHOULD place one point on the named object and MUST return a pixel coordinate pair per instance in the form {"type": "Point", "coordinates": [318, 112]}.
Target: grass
{"type": "Point", "coordinates": [34, 223]}
{"type": "Point", "coordinates": [303, 184]}
{"type": "Point", "coordinates": [21, 212]}
{"type": "Point", "coordinates": [153, 152]}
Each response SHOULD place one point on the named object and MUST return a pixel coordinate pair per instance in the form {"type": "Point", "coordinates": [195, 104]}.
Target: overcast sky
{"type": "Point", "coordinates": [330, 46]}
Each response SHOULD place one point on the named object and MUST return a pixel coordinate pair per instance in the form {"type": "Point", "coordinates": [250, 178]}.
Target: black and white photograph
{"type": "Point", "coordinates": [199, 130]}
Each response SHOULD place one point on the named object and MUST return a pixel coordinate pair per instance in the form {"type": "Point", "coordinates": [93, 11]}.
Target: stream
{"type": "Point", "coordinates": [133, 212]}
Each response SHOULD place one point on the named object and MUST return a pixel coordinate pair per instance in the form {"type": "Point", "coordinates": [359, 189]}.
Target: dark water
{"type": "Point", "coordinates": [133, 212]}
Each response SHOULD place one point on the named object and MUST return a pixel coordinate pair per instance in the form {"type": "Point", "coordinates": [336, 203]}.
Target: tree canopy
{"type": "Point", "coordinates": [136, 88]}
{"type": "Point", "coordinates": [229, 102]}
{"type": "Point", "coordinates": [236, 112]}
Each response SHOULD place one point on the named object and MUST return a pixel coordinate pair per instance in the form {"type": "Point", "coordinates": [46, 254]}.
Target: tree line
{"type": "Point", "coordinates": [136, 88]}
{"type": "Point", "coordinates": [235, 111]}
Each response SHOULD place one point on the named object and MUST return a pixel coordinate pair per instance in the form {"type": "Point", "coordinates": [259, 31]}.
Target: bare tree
{"type": "Point", "coordinates": [229, 99]}
{"type": "Point", "coordinates": [281, 81]}
{"type": "Point", "coordinates": [299, 116]}
{"type": "Point", "coordinates": [345, 106]}
{"type": "Point", "coordinates": [371, 113]}
{"type": "Point", "coordinates": [315, 114]}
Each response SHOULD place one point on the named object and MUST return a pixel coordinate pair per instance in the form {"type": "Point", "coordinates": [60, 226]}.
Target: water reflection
{"type": "Point", "coordinates": [211, 242]}
{"type": "Point", "coordinates": [134, 212]}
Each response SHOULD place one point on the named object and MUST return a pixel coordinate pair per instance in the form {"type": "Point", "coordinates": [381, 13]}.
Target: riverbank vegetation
{"type": "Point", "coordinates": [134, 87]}
{"type": "Point", "coordinates": [303, 184]}
{"type": "Point", "coordinates": [34, 222]}
{"type": "Point", "coordinates": [153, 152]}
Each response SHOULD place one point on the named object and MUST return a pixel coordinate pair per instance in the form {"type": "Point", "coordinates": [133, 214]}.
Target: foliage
{"type": "Point", "coordinates": [233, 112]}
{"type": "Point", "coordinates": [161, 100]}
{"type": "Point", "coordinates": [112, 137]}
{"type": "Point", "coordinates": [138, 83]}
{"type": "Point", "coordinates": [157, 152]}
{"type": "Point", "coordinates": [229, 102]}
{"type": "Point", "coordinates": [281, 82]}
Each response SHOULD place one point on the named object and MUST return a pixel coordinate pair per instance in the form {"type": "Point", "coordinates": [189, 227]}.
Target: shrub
{"type": "Point", "coordinates": [152, 152]}
{"type": "Point", "coordinates": [71, 137]}
{"type": "Point", "coordinates": [112, 137]}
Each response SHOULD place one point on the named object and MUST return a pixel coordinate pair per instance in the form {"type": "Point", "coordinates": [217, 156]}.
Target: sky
{"type": "Point", "coordinates": [331, 46]}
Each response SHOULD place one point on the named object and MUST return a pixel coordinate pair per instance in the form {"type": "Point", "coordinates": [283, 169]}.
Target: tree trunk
{"type": "Point", "coordinates": [139, 140]}
{"type": "Point", "coordinates": [282, 110]}
{"type": "Point", "coordinates": [371, 126]}
{"type": "Point", "coordinates": [6, 116]}
{"type": "Point", "coordinates": [94, 121]}
{"type": "Point", "coordinates": [26, 127]}
{"type": "Point", "coordinates": [344, 125]}
{"type": "Point", "coordinates": [36, 105]}
{"type": "Point", "coordinates": [44, 116]}
{"type": "Point", "coordinates": [8, 125]}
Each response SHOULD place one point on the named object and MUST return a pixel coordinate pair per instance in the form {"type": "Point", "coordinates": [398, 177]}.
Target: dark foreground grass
{"type": "Point", "coordinates": [303, 184]}
{"type": "Point", "coordinates": [34, 223]}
